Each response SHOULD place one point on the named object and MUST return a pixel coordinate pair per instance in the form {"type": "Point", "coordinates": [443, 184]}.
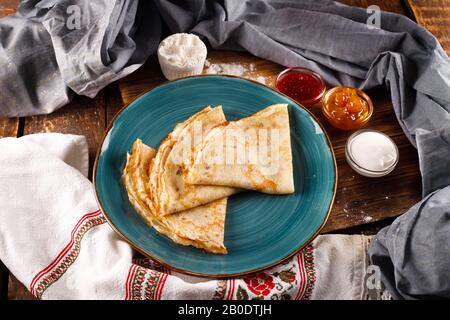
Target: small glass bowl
{"type": "Point", "coordinates": [316, 76]}
{"type": "Point", "coordinates": [338, 124]}
{"type": "Point", "coordinates": [358, 167]}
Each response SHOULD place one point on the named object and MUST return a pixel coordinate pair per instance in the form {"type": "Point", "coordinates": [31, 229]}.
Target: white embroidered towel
{"type": "Point", "coordinates": [55, 240]}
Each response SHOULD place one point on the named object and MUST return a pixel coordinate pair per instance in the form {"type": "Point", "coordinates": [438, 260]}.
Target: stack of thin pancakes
{"type": "Point", "coordinates": [181, 189]}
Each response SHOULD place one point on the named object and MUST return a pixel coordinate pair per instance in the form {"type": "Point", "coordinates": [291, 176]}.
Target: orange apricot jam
{"type": "Point", "coordinates": [347, 108]}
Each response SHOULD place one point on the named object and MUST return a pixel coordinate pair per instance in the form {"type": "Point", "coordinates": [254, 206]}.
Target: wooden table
{"type": "Point", "coordinates": [362, 205]}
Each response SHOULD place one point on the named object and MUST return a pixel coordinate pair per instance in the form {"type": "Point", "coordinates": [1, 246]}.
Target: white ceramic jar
{"type": "Point", "coordinates": [181, 55]}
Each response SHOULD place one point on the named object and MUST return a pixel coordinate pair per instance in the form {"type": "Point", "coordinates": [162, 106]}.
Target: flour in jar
{"type": "Point", "coordinates": [181, 55]}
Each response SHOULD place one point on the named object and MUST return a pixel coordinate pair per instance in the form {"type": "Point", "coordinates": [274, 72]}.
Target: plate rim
{"type": "Point", "coordinates": [200, 274]}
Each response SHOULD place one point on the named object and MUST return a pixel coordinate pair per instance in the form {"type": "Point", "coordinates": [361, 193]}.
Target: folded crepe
{"type": "Point", "coordinates": [201, 227]}
{"type": "Point", "coordinates": [169, 192]}
{"type": "Point", "coordinates": [251, 153]}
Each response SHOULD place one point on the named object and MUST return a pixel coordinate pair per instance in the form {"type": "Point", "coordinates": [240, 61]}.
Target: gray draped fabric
{"type": "Point", "coordinates": [52, 48]}
{"type": "Point", "coordinates": [42, 62]}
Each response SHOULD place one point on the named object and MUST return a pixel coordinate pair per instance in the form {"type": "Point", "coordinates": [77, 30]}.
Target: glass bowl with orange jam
{"type": "Point", "coordinates": [347, 108]}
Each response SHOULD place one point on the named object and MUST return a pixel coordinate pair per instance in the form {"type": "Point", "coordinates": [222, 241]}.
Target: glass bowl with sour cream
{"type": "Point", "coordinates": [371, 153]}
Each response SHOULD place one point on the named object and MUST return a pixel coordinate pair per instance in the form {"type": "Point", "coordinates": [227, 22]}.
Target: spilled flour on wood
{"type": "Point", "coordinates": [235, 69]}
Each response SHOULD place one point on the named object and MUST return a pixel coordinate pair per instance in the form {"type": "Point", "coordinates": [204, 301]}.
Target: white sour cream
{"type": "Point", "coordinates": [371, 153]}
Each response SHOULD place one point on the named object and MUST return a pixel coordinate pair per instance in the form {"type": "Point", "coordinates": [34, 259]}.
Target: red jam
{"type": "Point", "coordinates": [302, 85]}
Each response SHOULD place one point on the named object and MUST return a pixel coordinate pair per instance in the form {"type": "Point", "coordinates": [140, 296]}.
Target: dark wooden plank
{"type": "Point", "coordinates": [8, 7]}
{"type": "Point", "coordinates": [4, 273]}
{"type": "Point", "coordinates": [9, 127]}
{"type": "Point", "coordinates": [83, 116]}
{"type": "Point", "coordinates": [368, 229]}
{"type": "Point", "coordinates": [17, 291]}
{"type": "Point", "coordinates": [114, 101]}
{"type": "Point", "coordinates": [433, 15]}
{"type": "Point", "coordinates": [385, 5]}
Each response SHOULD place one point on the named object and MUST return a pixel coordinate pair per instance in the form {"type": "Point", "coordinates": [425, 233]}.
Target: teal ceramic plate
{"type": "Point", "coordinates": [261, 230]}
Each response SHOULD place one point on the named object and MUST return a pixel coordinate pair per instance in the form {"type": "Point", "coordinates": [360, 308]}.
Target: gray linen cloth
{"type": "Point", "coordinates": [42, 62]}
{"type": "Point", "coordinates": [52, 48]}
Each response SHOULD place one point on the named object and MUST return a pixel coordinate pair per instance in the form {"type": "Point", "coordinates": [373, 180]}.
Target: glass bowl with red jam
{"type": "Point", "coordinates": [301, 84]}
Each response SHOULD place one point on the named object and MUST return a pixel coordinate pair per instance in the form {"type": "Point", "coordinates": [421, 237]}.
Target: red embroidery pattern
{"type": "Point", "coordinates": [231, 290]}
{"type": "Point", "coordinates": [150, 264]}
{"type": "Point", "coordinates": [310, 271]}
{"type": "Point", "coordinates": [307, 273]}
{"type": "Point", "coordinates": [261, 284]}
{"type": "Point", "coordinates": [297, 273]}
{"type": "Point", "coordinates": [144, 284]}
{"type": "Point", "coordinates": [50, 274]}
{"type": "Point", "coordinates": [221, 288]}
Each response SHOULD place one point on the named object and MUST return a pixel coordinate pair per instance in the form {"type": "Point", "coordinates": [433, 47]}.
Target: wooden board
{"type": "Point", "coordinates": [4, 273]}
{"type": "Point", "coordinates": [8, 7]}
{"type": "Point", "coordinates": [114, 101]}
{"type": "Point", "coordinates": [83, 116]}
{"type": "Point", "coordinates": [385, 5]}
{"type": "Point", "coordinates": [435, 16]}
{"type": "Point", "coordinates": [17, 291]}
{"type": "Point", "coordinates": [359, 200]}
{"type": "Point", "coordinates": [9, 127]}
